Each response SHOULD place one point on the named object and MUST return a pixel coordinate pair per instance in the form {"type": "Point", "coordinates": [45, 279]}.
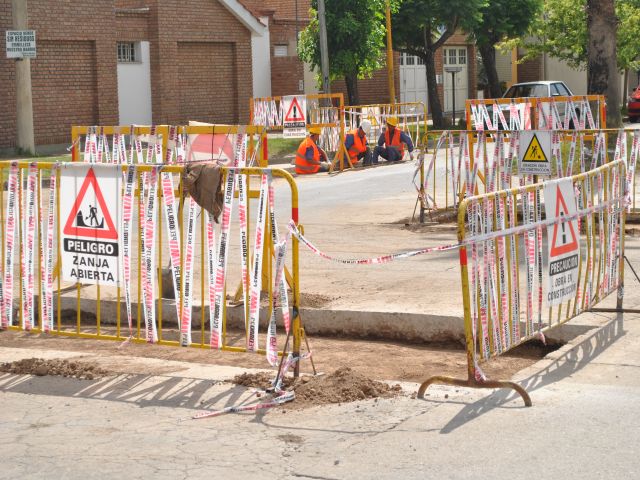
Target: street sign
{"type": "Point", "coordinates": [534, 152]}
{"type": "Point", "coordinates": [563, 242]}
{"type": "Point", "coordinates": [90, 213]}
{"type": "Point", "coordinates": [295, 116]}
{"type": "Point", "coordinates": [21, 43]}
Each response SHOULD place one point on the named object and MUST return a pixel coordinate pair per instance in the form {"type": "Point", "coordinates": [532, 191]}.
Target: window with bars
{"type": "Point", "coordinates": [280, 51]}
{"type": "Point", "coordinates": [452, 57]}
{"type": "Point", "coordinates": [127, 52]}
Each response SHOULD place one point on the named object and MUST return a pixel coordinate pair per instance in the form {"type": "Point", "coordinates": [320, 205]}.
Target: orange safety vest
{"type": "Point", "coordinates": [303, 165]}
{"type": "Point", "coordinates": [359, 145]}
{"type": "Point", "coordinates": [394, 142]}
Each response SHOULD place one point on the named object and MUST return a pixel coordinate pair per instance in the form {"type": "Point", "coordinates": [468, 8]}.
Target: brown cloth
{"type": "Point", "coordinates": [203, 182]}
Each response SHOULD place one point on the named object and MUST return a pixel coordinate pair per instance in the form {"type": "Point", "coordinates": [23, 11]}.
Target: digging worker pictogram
{"type": "Point", "coordinates": [310, 158]}
{"type": "Point", "coordinates": [356, 143]}
{"type": "Point", "coordinates": [391, 143]}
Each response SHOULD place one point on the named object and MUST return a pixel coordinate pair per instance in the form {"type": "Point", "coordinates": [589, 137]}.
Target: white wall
{"type": "Point", "coordinates": [134, 90]}
{"type": "Point", "coordinates": [261, 62]}
{"type": "Point", "coordinates": [576, 80]}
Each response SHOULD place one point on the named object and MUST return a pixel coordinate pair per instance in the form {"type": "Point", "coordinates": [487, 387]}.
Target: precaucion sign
{"type": "Point", "coordinates": [534, 152]}
{"type": "Point", "coordinates": [563, 242]}
{"type": "Point", "coordinates": [21, 43]}
{"type": "Point", "coordinates": [90, 223]}
{"type": "Point", "coordinates": [295, 116]}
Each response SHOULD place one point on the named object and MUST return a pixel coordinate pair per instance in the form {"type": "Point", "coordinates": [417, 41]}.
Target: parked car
{"type": "Point", "coordinates": [633, 105]}
{"type": "Point", "coordinates": [537, 89]}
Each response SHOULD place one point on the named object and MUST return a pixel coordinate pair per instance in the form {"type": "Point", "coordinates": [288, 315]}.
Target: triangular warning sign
{"type": "Point", "coordinates": [566, 244]}
{"type": "Point", "coordinates": [295, 113]}
{"type": "Point", "coordinates": [534, 152]}
{"type": "Point", "coordinates": [89, 223]}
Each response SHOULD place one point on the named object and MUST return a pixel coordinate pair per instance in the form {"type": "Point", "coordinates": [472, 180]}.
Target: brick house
{"type": "Point", "coordinates": [164, 61]}
{"type": "Point", "coordinates": [133, 61]}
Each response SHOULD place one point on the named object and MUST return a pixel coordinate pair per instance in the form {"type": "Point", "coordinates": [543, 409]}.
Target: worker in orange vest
{"type": "Point", "coordinates": [394, 141]}
{"type": "Point", "coordinates": [310, 158]}
{"type": "Point", "coordinates": [356, 143]}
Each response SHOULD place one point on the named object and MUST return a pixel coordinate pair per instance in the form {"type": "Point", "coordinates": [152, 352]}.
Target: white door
{"type": "Point", "coordinates": [134, 83]}
{"type": "Point", "coordinates": [455, 57]}
{"type": "Point", "coordinates": [413, 79]}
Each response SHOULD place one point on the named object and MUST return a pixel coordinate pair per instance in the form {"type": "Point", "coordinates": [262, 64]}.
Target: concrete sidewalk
{"type": "Point", "coordinates": [584, 423]}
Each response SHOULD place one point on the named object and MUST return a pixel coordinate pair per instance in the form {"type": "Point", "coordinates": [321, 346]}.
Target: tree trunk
{"type": "Point", "coordinates": [435, 109]}
{"type": "Point", "coordinates": [488, 54]}
{"type": "Point", "coordinates": [602, 68]}
{"type": "Point", "coordinates": [353, 98]}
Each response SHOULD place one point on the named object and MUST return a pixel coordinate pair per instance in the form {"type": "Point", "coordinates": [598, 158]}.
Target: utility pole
{"type": "Point", "coordinates": [324, 48]}
{"type": "Point", "coordinates": [24, 102]}
{"type": "Point", "coordinates": [390, 76]}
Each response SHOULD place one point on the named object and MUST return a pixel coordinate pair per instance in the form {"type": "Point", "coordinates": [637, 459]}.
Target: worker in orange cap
{"type": "Point", "coordinates": [391, 143]}
{"type": "Point", "coordinates": [310, 158]}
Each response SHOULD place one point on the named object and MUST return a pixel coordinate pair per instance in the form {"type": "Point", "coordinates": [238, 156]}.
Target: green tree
{"type": "Point", "coordinates": [501, 19]}
{"type": "Point", "coordinates": [355, 37]}
{"type": "Point", "coordinates": [420, 27]}
{"type": "Point", "coordinates": [566, 28]}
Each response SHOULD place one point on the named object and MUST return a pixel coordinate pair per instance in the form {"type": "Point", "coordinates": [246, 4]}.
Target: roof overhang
{"type": "Point", "coordinates": [245, 17]}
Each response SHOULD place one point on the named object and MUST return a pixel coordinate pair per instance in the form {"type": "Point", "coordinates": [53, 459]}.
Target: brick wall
{"type": "Point", "coordinates": [208, 80]}
{"type": "Point", "coordinates": [70, 41]}
{"type": "Point", "coordinates": [530, 71]}
{"type": "Point", "coordinates": [281, 9]}
{"type": "Point", "coordinates": [203, 22]}
{"type": "Point", "coordinates": [74, 76]}
{"type": "Point", "coordinates": [64, 89]}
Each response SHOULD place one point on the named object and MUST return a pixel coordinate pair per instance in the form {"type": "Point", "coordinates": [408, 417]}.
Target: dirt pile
{"type": "Point", "coordinates": [63, 368]}
{"type": "Point", "coordinates": [341, 386]}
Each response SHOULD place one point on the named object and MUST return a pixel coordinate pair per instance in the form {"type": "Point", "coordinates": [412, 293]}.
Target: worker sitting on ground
{"type": "Point", "coordinates": [356, 144]}
{"type": "Point", "coordinates": [394, 141]}
{"type": "Point", "coordinates": [310, 158]}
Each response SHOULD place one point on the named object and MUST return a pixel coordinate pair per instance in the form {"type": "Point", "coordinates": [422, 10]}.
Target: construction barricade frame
{"type": "Point", "coordinates": [148, 191]}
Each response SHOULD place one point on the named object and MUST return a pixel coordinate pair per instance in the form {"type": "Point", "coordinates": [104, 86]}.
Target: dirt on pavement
{"type": "Point", "coordinates": [63, 368]}
{"type": "Point", "coordinates": [380, 360]}
{"type": "Point", "coordinates": [344, 385]}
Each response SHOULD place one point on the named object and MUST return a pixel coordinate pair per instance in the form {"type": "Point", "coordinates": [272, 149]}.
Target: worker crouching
{"type": "Point", "coordinates": [356, 144]}
{"type": "Point", "coordinates": [310, 158]}
{"type": "Point", "coordinates": [391, 143]}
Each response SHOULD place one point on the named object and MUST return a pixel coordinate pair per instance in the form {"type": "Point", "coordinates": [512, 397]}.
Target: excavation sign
{"type": "Point", "coordinates": [90, 222]}
{"type": "Point", "coordinates": [563, 239]}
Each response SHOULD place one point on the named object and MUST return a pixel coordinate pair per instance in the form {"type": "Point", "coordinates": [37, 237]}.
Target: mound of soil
{"type": "Point", "coordinates": [63, 368]}
{"type": "Point", "coordinates": [342, 386]}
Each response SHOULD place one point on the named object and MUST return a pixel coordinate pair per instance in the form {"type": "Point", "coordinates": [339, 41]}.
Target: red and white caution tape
{"type": "Point", "coordinates": [28, 251]}
{"type": "Point", "coordinates": [48, 254]}
{"type": "Point", "coordinates": [148, 258]}
{"type": "Point", "coordinates": [10, 234]}
{"type": "Point", "coordinates": [215, 313]}
{"type": "Point", "coordinates": [187, 289]}
{"type": "Point", "coordinates": [127, 220]}
{"type": "Point", "coordinates": [256, 272]}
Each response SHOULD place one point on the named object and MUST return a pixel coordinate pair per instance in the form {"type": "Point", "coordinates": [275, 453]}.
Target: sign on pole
{"type": "Point", "coordinates": [563, 241]}
{"type": "Point", "coordinates": [90, 215]}
{"type": "Point", "coordinates": [534, 152]}
{"type": "Point", "coordinates": [21, 43]}
{"type": "Point", "coordinates": [295, 116]}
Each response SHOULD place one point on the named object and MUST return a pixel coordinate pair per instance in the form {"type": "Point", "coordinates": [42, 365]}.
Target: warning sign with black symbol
{"type": "Point", "coordinates": [563, 241]}
{"type": "Point", "coordinates": [534, 152]}
{"type": "Point", "coordinates": [294, 108]}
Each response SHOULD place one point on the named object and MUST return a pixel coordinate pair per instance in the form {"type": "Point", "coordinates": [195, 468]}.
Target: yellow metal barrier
{"type": "Point", "coordinates": [444, 192]}
{"type": "Point", "coordinates": [214, 137]}
{"type": "Point", "coordinates": [499, 314]}
{"type": "Point", "coordinates": [412, 118]}
{"type": "Point", "coordinates": [109, 319]}
{"type": "Point", "coordinates": [325, 110]}
{"type": "Point", "coordinates": [536, 113]}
